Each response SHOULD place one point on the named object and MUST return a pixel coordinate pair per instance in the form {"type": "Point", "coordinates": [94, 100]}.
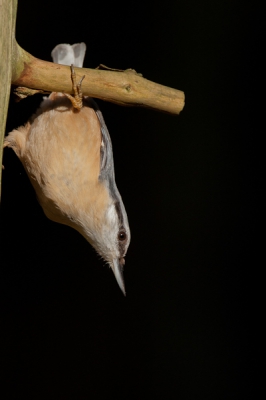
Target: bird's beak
{"type": "Point", "coordinates": [117, 267]}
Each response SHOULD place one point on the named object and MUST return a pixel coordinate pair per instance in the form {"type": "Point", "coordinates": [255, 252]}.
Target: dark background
{"type": "Point", "coordinates": [190, 185]}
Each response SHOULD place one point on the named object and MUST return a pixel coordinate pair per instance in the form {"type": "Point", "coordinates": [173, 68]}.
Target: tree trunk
{"type": "Point", "coordinates": [8, 12]}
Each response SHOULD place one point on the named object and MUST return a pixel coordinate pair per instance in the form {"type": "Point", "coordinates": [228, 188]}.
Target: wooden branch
{"type": "Point", "coordinates": [8, 11]}
{"type": "Point", "coordinates": [125, 88]}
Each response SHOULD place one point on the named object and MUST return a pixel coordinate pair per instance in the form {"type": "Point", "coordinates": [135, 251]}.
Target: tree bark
{"type": "Point", "coordinates": [8, 12]}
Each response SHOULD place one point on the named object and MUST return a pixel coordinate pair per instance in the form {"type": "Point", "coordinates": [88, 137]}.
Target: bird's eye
{"type": "Point", "coordinates": [122, 236]}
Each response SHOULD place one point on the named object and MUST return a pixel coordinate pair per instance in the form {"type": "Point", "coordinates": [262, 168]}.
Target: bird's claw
{"type": "Point", "coordinates": [76, 100]}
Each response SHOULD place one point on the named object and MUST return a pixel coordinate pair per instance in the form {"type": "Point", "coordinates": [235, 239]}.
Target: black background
{"type": "Point", "coordinates": [189, 184]}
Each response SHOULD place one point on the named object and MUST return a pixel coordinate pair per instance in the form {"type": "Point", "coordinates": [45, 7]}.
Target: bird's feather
{"type": "Point", "coordinates": [66, 54]}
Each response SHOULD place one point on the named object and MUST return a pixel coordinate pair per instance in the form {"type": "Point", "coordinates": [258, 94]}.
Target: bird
{"type": "Point", "coordinates": [67, 153]}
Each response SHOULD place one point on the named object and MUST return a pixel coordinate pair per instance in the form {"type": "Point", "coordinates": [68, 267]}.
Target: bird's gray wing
{"type": "Point", "coordinates": [107, 161]}
{"type": "Point", "coordinates": [107, 173]}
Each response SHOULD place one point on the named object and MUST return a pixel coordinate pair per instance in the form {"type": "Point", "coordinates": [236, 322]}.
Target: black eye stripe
{"type": "Point", "coordinates": [119, 212]}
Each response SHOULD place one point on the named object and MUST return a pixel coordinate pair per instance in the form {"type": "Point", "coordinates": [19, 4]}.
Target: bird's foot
{"type": "Point", "coordinates": [76, 100]}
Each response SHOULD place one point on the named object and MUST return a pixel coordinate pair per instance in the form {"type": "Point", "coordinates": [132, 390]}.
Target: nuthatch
{"type": "Point", "coordinates": [66, 151]}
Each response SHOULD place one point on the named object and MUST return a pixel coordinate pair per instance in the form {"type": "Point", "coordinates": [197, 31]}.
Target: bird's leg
{"type": "Point", "coordinates": [76, 100]}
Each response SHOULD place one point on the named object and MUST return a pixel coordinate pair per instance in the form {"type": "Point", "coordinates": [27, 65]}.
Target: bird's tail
{"type": "Point", "coordinates": [67, 54]}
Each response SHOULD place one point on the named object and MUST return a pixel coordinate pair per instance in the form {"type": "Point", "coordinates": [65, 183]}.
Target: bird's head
{"type": "Point", "coordinates": [106, 228]}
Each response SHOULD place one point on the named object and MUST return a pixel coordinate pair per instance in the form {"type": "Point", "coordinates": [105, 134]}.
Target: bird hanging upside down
{"type": "Point", "coordinates": [66, 151]}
